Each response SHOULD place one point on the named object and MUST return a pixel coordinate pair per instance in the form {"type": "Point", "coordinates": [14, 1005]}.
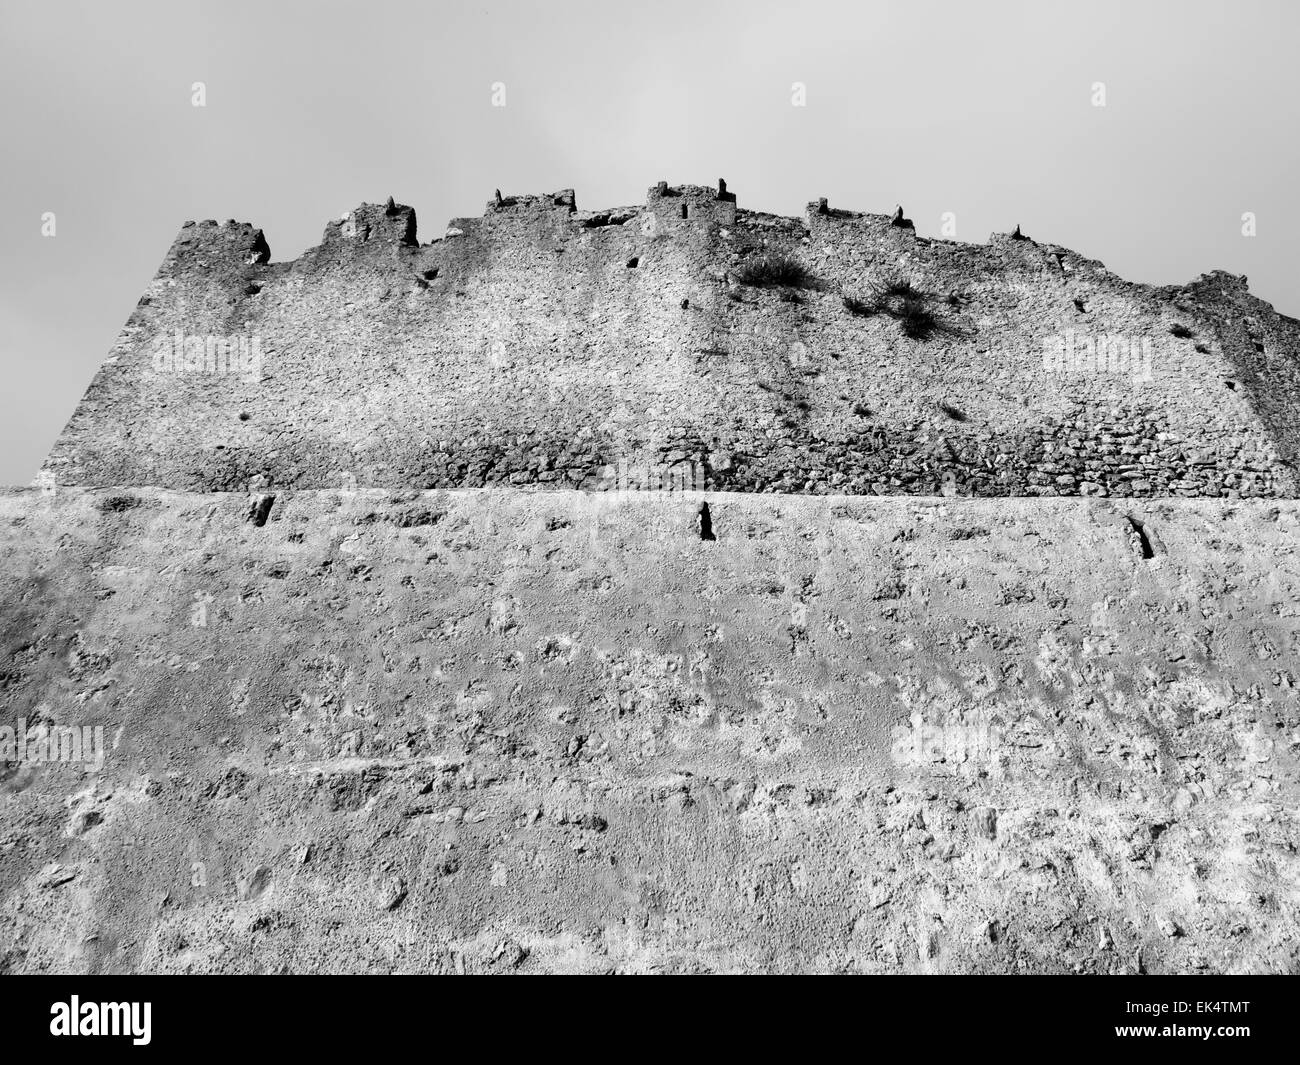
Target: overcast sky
{"type": "Point", "coordinates": [984, 109]}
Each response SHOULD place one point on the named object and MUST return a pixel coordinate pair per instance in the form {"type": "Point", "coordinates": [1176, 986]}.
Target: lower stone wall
{"type": "Point", "coordinates": [563, 731]}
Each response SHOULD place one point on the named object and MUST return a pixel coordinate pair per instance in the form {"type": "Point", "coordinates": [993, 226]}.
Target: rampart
{"type": "Point", "coordinates": [541, 345]}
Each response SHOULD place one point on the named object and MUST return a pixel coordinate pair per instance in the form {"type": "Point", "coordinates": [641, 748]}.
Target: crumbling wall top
{"type": "Point", "coordinates": [392, 222]}
{"type": "Point", "coordinates": [692, 203]}
{"type": "Point", "coordinates": [209, 243]}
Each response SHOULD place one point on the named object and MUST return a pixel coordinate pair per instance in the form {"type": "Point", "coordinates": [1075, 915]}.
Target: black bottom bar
{"type": "Point", "coordinates": [302, 1014]}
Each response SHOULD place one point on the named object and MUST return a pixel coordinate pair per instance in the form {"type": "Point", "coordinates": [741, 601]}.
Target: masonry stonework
{"type": "Point", "coordinates": [540, 345]}
{"type": "Point", "coordinates": [379, 694]}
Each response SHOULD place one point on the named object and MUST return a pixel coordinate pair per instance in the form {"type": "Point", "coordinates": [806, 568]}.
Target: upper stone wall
{"type": "Point", "coordinates": [541, 344]}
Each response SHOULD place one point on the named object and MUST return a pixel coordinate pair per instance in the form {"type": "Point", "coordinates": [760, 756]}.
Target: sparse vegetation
{"type": "Point", "coordinates": [775, 271]}
{"type": "Point", "coordinates": [906, 304]}
{"type": "Point", "coordinates": [899, 289]}
{"type": "Point", "coordinates": [916, 318]}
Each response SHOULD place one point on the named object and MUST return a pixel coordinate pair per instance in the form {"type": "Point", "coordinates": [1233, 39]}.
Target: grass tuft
{"type": "Point", "coordinates": [906, 304]}
{"type": "Point", "coordinates": [916, 318]}
{"type": "Point", "coordinates": [776, 271]}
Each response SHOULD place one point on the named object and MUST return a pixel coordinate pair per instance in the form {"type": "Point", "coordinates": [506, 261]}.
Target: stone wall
{"type": "Point", "coordinates": [561, 731]}
{"type": "Point", "coordinates": [543, 345]}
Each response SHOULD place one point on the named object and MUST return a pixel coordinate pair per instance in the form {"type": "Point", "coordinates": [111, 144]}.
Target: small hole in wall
{"type": "Point", "coordinates": [244, 415]}
{"type": "Point", "coordinates": [259, 508]}
{"type": "Point", "coordinates": [1231, 384]}
{"type": "Point", "coordinates": [706, 523]}
{"type": "Point", "coordinates": [1081, 306]}
{"type": "Point", "coordinates": [1138, 535]}
{"type": "Point", "coordinates": [430, 274]}
{"type": "Point", "coordinates": [252, 289]}
{"type": "Point", "coordinates": [683, 210]}
{"type": "Point", "coordinates": [633, 263]}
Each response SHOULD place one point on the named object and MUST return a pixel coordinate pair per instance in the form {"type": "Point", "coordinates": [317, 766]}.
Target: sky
{"type": "Point", "coordinates": [988, 110]}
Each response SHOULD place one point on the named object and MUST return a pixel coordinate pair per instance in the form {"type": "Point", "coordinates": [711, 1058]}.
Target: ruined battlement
{"type": "Point", "coordinates": [392, 223]}
{"type": "Point", "coordinates": [539, 344]}
{"type": "Point", "coordinates": [202, 245]}
{"type": "Point", "coordinates": [698, 204]}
